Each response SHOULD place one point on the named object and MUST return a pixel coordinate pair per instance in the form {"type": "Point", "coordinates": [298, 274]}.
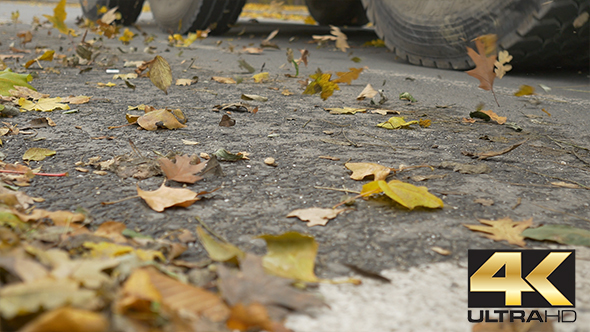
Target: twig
{"type": "Point", "coordinates": [568, 143]}
{"type": "Point", "coordinates": [551, 177]}
{"type": "Point", "coordinates": [518, 201]}
{"type": "Point", "coordinates": [351, 142]}
{"type": "Point", "coordinates": [369, 193]}
{"type": "Point", "coordinates": [135, 149]}
{"type": "Point", "coordinates": [308, 121]}
{"type": "Point", "coordinates": [121, 126]}
{"type": "Point", "coordinates": [566, 213]}
{"type": "Point", "coordinates": [119, 200]}
{"type": "Point", "coordinates": [338, 189]}
{"type": "Point", "coordinates": [40, 174]}
{"type": "Point", "coordinates": [579, 157]}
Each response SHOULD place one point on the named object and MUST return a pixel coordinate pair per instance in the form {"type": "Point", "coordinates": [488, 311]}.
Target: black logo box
{"type": "Point", "coordinates": [563, 278]}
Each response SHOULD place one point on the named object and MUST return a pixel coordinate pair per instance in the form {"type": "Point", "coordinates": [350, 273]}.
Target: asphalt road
{"type": "Point", "coordinates": [255, 198]}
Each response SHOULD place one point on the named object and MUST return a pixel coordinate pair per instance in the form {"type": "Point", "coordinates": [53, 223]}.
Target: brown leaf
{"type": "Point", "coordinates": [253, 316]}
{"type": "Point", "coordinates": [226, 121]}
{"type": "Point", "coordinates": [484, 65]}
{"type": "Point", "coordinates": [495, 117]}
{"type": "Point", "coordinates": [348, 77]}
{"type": "Point", "coordinates": [489, 154]}
{"type": "Point", "coordinates": [160, 73]}
{"type": "Point", "coordinates": [160, 118]}
{"type": "Point", "coordinates": [112, 230]}
{"type": "Point", "coordinates": [368, 92]}
{"type": "Point", "coordinates": [68, 319]}
{"type": "Point", "coordinates": [182, 170]}
{"type": "Point", "coordinates": [166, 197]}
{"type": "Point", "coordinates": [315, 216]}
{"type": "Point", "coordinates": [362, 170]}
{"type": "Point", "coordinates": [503, 229]}
{"type": "Point", "coordinates": [225, 80]}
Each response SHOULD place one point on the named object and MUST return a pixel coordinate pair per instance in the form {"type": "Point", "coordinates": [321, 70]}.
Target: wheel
{"type": "Point", "coordinates": [129, 9]}
{"type": "Point", "coordinates": [182, 16]}
{"type": "Point", "coordinates": [337, 12]}
{"type": "Point", "coordinates": [435, 33]}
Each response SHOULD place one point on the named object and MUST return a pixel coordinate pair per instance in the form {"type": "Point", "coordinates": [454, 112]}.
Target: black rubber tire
{"type": "Point", "coordinates": [183, 16]}
{"type": "Point", "coordinates": [337, 12]}
{"type": "Point", "coordinates": [129, 9]}
{"type": "Point", "coordinates": [537, 33]}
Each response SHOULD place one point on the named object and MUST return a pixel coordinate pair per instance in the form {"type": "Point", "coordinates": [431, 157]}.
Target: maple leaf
{"type": "Point", "coordinates": [10, 80]}
{"type": "Point", "coordinates": [182, 170]}
{"type": "Point", "coordinates": [348, 77]}
{"type": "Point", "coordinates": [484, 66]}
{"type": "Point", "coordinates": [503, 229]}
{"type": "Point", "coordinates": [403, 193]}
{"type": "Point", "coordinates": [59, 17]}
{"type": "Point", "coordinates": [165, 197]}
{"type": "Point", "coordinates": [321, 84]}
{"type": "Point", "coordinates": [315, 216]}
{"type": "Point", "coordinates": [362, 170]}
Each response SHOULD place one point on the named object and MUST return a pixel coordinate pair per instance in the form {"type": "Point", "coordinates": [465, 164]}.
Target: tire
{"type": "Point", "coordinates": [536, 32]}
{"type": "Point", "coordinates": [183, 16]}
{"type": "Point", "coordinates": [337, 12]}
{"type": "Point", "coordinates": [129, 9]}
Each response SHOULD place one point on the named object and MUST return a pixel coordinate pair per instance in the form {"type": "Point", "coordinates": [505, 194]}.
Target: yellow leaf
{"type": "Point", "coordinates": [362, 170]}
{"type": "Point", "coordinates": [159, 118]}
{"type": "Point", "coordinates": [137, 294]}
{"type": "Point", "coordinates": [127, 36]}
{"type": "Point", "coordinates": [47, 56]}
{"type": "Point", "coordinates": [111, 250]}
{"type": "Point", "coordinates": [348, 77]}
{"type": "Point", "coordinates": [503, 229]}
{"type": "Point", "coordinates": [346, 110]}
{"type": "Point", "coordinates": [315, 216]}
{"type": "Point", "coordinates": [160, 73]}
{"type": "Point", "coordinates": [495, 117]}
{"type": "Point", "coordinates": [68, 319]}
{"type": "Point", "coordinates": [59, 17]}
{"type": "Point", "coordinates": [259, 78]}
{"type": "Point", "coordinates": [291, 255]}
{"type": "Point", "coordinates": [37, 154]}
{"type": "Point", "coordinates": [219, 251]}
{"type": "Point", "coordinates": [108, 85]}
{"type": "Point", "coordinates": [190, 39]}
{"type": "Point", "coordinates": [424, 123]}
{"type": "Point", "coordinates": [375, 43]}
{"type": "Point", "coordinates": [525, 90]}
{"type": "Point", "coordinates": [76, 100]}
{"type": "Point", "coordinates": [165, 197]}
{"type": "Point", "coordinates": [184, 81]}
{"type": "Point", "coordinates": [309, 20]}
{"type": "Point", "coordinates": [321, 84]}
{"type": "Point", "coordinates": [43, 105]}
{"type": "Point", "coordinates": [225, 80]}
{"type": "Point", "coordinates": [396, 122]}
{"type": "Point", "coordinates": [403, 193]}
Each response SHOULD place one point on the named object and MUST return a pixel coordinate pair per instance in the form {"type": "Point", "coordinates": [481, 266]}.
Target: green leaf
{"type": "Point", "coordinates": [37, 154]}
{"type": "Point", "coordinates": [220, 251]}
{"type": "Point", "coordinates": [160, 73]}
{"type": "Point", "coordinates": [396, 122]}
{"type": "Point", "coordinates": [403, 193]}
{"type": "Point", "coordinates": [291, 255]}
{"type": "Point", "coordinates": [223, 154]}
{"type": "Point", "coordinates": [559, 233]}
{"type": "Point", "coordinates": [407, 96]}
{"type": "Point", "coordinates": [8, 80]}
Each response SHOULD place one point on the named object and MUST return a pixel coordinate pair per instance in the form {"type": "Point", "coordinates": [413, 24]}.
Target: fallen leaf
{"type": "Point", "coordinates": [252, 50]}
{"type": "Point", "coordinates": [68, 319]}
{"type": "Point", "coordinates": [384, 111]}
{"type": "Point", "coordinates": [290, 255]}
{"type": "Point", "coordinates": [47, 294]}
{"type": "Point", "coordinates": [502, 65]}
{"type": "Point", "coordinates": [396, 122]}
{"type": "Point", "coordinates": [253, 285]}
{"type": "Point", "coordinates": [362, 170]}
{"type": "Point", "coordinates": [24, 92]}
{"type": "Point", "coordinates": [315, 216]}
{"type": "Point", "coordinates": [39, 123]}
{"type": "Point", "coordinates": [9, 80]}
{"type": "Point", "coordinates": [424, 123]}
{"type": "Point", "coordinates": [487, 116]}
{"type": "Point", "coordinates": [113, 250]}
{"type": "Point", "coordinates": [466, 168]}
{"type": "Point", "coordinates": [407, 96]}
{"type": "Point", "coordinates": [563, 234]}
{"type": "Point", "coordinates": [225, 155]}
{"type": "Point", "coordinates": [368, 92]}
{"type": "Point", "coordinates": [88, 272]}
{"type": "Point", "coordinates": [253, 97]}
{"type": "Point", "coordinates": [43, 104]}
{"type": "Point", "coordinates": [341, 38]}
{"type": "Point", "coordinates": [160, 73]}
{"type": "Point", "coordinates": [185, 81]}
{"type": "Point", "coordinates": [76, 100]}
{"type": "Point", "coordinates": [484, 201]}
{"type": "Point", "coordinates": [503, 229]}
{"type": "Point", "coordinates": [346, 110]}
{"type": "Point", "coordinates": [441, 251]}
{"type": "Point", "coordinates": [112, 230]}
{"type": "Point", "coordinates": [246, 66]}
{"type": "Point", "coordinates": [188, 142]}
{"type": "Point", "coordinates": [182, 170]}
{"type": "Point", "coordinates": [24, 268]}
{"type": "Point", "coordinates": [128, 76]}
{"type": "Point", "coordinates": [226, 121]}
{"type": "Point", "coordinates": [137, 294]}
{"type": "Point", "coordinates": [348, 77]}
{"type": "Point", "coordinates": [46, 56]}
{"type": "Point", "coordinates": [267, 42]}
{"type": "Point", "coordinates": [107, 85]}
{"type": "Point", "coordinates": [159, 118]}
{"type": "Point", "coordinates": [37, 154]}
{"type": "Point", "coordinates": [489, 154]}
{"type": "Point", "coordinates": [220, 251]}
{"type": "Point", "coordinates": [166, 197]}
{"type": "Point", "coordinates": [260, 78]}
{"type": "Point", "coordinates": [225, 80]}
{"type": "Point", "coordinates": [403, 193]}
{"type": "Point", "coordinates": [525, 90]}
{"type": "Point", "coordinates": [565, 185]}
{"type": "Point", "coordinates": [253, 316]}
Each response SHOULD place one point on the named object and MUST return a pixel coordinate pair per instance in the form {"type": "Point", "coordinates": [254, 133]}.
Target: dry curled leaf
{"type": "Point", "coordinates": [362, 170]}
{"type": "Point", "coordinates": [160, 73]}
{"type": "Point", "coordinates": [504, 229]}
{"type": "Point", "coordinates": [163, 118]}
{"type": "Point", "coordinates": [166, 197]}
{"type": "Point", "coordinates": [368, 92]}
{"type": "Point", "coordinates": [182, 170]}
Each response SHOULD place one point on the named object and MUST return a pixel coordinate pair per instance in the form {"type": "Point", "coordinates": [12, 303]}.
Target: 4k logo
{"type": "Point", "coordinates": [523, 278]}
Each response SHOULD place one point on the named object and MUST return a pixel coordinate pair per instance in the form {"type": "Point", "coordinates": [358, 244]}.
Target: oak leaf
{"type": "Point", "coordinates": [484, 65]}
{"type": "Point", "coordinates": [315, 216]}
{"type": "Point", "coordinates": [166, 197]}
{"type": "Point", "coordinates": [182, 170]}
{"type": "Point", "coordinates": [504, 229]}
{"type": "Point", "coordinates": [348, 77]}
{"type": "Point", "coordinates": [502, 65]}
{"type": "Point", "coordinates": [362, 170]}
{"type": "Point", "coordinates": [403, 193]}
